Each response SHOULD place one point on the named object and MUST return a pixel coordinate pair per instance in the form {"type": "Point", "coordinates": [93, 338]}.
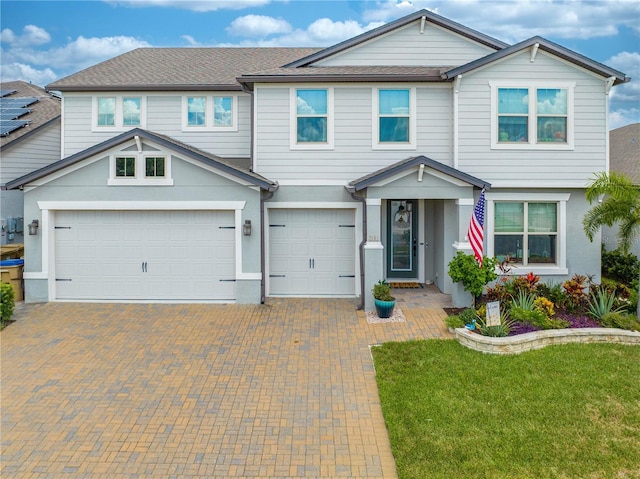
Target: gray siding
{"type": "Point", "coordinates": [544, 168]}
{"type": "Point", "coordinates": [352, 156]}
{"type": "Point", "coordinates": [32, 153]}
{"type": "Point", "coordinates": [164, 115]}
{"type": "Point", "coordinates": [436, 46]}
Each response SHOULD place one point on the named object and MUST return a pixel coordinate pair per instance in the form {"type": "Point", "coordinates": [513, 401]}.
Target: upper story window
{"type": "Point", "coordinates": [529, 229]}
{"type": "Point", "coordinates": [210, 113]}
{"type": "Point", "coordinates": [394, 124]}
{"type": "Point", "coordinates": [312, 118]}
{"type": "Point", "coordinates": [532, 116]}
{"type": "Point", "coordinates": [119, 112]}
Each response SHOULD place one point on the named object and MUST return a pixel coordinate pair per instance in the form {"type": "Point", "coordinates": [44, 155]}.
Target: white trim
{"type": "Point", "coordinates": [293, 120]}
{"type": "Point", "coordinates": [560, 267]}
{"type": "Point", "coordinates": [464, 202]}
{"type": "Point", "coordinates": [118, 113]}
{"type": "Point", "coordinates": [373, 201]}
{"type": "Point", "coordinates": [456, 120]}
{"type": "Point", "coordinates": [140, 179]}
{"type": "Point", "coordinates": [41, 275]}
{"type": "Point", "coordinates": [532, 115]}
{"type": "Point", "coordinates": [315, 182]}
{"type": "Point", "coordinates": [373, 245]}
{"type": "Point", "coordinates": [311, 205]}
{"type": "Point", "coordinates": [413, 113]}
{"type": "Point", "coordinates": [208, 112]}
{"type": "Point", "coordinates": [141, 205]}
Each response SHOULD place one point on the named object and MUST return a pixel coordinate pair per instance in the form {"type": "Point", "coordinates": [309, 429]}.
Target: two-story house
{"type": "Point", "coordinates": [233, 174]}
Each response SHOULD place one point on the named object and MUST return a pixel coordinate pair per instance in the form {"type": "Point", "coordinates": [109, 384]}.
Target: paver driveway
{"type": "Point", "coordinates": [285, 389]}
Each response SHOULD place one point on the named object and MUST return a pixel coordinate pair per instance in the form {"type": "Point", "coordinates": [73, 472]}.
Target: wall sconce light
{"type": "Point", "coordinates": [33, 227]}
{"type": "Point", "coordinates": [246, 228]}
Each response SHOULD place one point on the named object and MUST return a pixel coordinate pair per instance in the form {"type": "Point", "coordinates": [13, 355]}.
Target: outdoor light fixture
{"type": "Point", "coordinates": [33, 227]}
{"type": "Point", "coordinates": [246, 228]}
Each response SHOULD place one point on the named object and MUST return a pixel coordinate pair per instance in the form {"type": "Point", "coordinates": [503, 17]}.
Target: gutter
{"type": "Point", "coordinates": [363, 200]}
{"type": "Point", "coordinates": [264, 196]}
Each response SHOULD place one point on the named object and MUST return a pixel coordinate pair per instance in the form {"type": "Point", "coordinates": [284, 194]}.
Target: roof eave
{"type": "Point", "coordinates": [250, 80]}
{"type": "Point", "coordinates": [176, 87]}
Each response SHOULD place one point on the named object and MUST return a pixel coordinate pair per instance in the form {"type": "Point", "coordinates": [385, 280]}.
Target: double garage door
{"type": "Point", "coordinates": [145, 255]}
{"type": "Point", "coordinates": [312, 252]}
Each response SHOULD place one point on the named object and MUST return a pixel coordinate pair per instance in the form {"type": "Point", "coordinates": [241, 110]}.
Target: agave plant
{"type": "Point", "coordinates": [602, 303]}
{"type": "Point", "coordinates": [523, 301]}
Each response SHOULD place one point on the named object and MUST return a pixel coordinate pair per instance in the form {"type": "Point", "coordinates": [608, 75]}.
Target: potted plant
{"type": "Point", "coordinates": [383, 300]}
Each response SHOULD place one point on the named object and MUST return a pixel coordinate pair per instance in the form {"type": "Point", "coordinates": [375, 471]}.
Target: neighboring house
{"type": "Point", "coordinates": [29, 140]}
{"type": "Point", "coordinates": [230, 174]}
{"type": "Point", "coordinates": [624, 157]}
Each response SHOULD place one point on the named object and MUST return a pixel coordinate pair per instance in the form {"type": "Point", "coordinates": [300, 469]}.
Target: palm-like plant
{"type": "Point", "coordinates": [620, 205]}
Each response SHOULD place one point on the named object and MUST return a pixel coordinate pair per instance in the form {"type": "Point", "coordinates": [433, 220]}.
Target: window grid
{"type": "Point", "coordinates": [106, 111]}
{"type": "Point", "coordinates": [155, 167]}
{"type": "Point", "coordinates": [394, 118]}
{"type": "Point", "coordinates": [311, 116]}
{"type": "Point", "coordinates": [125, 167]}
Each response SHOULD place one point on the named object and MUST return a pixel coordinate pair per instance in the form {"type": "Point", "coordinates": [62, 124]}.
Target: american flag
{"type": "Point", "coordinates": [476, 229]}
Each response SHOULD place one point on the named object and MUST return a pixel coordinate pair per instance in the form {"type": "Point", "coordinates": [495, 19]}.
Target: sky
{"type": "Point", "coordinates": [42, 41]}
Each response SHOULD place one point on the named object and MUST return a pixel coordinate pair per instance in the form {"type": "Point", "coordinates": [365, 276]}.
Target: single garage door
{"type": "Point", "coordinates": [312, 252]}
{"type": "Point", "coordinates": [145, 255]}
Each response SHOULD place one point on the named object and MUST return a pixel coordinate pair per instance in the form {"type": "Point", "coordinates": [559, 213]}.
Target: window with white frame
{"type": "Point", "coordinates": [118, 112]}
{"type": "Point", "coordinates": [154, 167]}
{"type": "Point", "coordinates": [311, 118]}
{"type": "Point", "coordinates": [528, 229]}
{"type": "Point", "coordinates": [140, 169]}
{"type": "Point", "coordinates": [125, 167]}
{"type": "Point", "coordinates": [210, 113]}
{"type": "Point", "coordinates": [394, 124]}
{"type": "Point", "coordinates": [532, 116]}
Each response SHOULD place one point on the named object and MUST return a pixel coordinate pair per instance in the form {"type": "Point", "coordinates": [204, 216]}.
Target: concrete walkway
{"type": "Point", "coordinates": [285, 389]}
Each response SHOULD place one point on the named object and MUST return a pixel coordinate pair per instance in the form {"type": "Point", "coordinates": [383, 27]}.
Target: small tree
{"type": "Point", "coordinates": [620, 205]}
{"type": "Point", "coordinates": [465, 269]}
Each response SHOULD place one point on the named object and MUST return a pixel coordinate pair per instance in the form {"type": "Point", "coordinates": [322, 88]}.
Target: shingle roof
{"type": "Point", "coordinates": [188, 150]}
{"type": "Point", "coordinates": [178, 69]}
{"type": "Point", "coordinates": [45, 110]}
{"type": "Point", "coordinates": [624, 151]}
{"type": "Point", "coordinates": [372, 178]}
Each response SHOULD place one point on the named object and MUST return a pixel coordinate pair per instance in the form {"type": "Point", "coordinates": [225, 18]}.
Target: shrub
{"type": "Point", "coordinates": [574, 290]}
{"type": "Point", "coordinates": [7, 302]}
{"type": "Point", "coordinates": [545, 306]}
{"type": "Point", "coordinates": [454, 321]}
{"type": "Point", "coordinates": [382, 291]}
{"type": "Point", "coordinates": [468, 315]}
{"type": "Point", "coordinates": [620, 320]}
{"type": "Point", "coordinates": [464, 268]}
{"type": "Point", "coordinates": [602, 302]}
{"type": "Point", "coordinates": [536, 318]}
{"type": "Point", "coordinates": [553, 292]}
{"type": "Point", "coordinates": [621, 267]}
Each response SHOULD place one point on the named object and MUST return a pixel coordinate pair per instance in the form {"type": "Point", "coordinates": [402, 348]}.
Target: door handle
{"type": "Point", "coordinates": [313, 262]}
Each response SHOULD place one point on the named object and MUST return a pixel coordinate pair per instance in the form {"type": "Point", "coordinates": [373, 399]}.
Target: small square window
{"type": "Point", "coordinates": [154, 167]}
{"type": "Point", "coordinates": [125, 167]}
{"type": "Point", "coordinates": [106, 111]}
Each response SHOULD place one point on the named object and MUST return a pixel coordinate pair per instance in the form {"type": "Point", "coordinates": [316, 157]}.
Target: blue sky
{"type": "Point", "coordinates": [43, 41]}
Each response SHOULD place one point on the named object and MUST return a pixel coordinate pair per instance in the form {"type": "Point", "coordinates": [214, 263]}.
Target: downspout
{"type": "Point", "coordinates": [456, 91]}
{"type": "Point", "coordinates": [264, 196]}
{"type": "Point", "coordinates": [363, 200]}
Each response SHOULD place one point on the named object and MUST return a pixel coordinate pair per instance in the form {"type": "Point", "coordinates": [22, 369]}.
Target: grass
{"type": "Point", "coordinates": [570, 411]}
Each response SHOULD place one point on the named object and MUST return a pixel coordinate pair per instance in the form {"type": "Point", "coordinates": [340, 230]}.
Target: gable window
{"type": "Point", "coordinates": [196, 111]}
{"type": "Point", "coordinates": [131, 111]}
{"type": "Point", "coordinates": [312, 122]}
{"type": "Point", "coordinates": [394, 122]}
{"type": "Point", "coordinates": [537, 116]}
{"type": "Point", "coordinates": [125, 167]}
{"type": "Point", "coordinates": [118, 113]}
{"type": "Point", "coordinates": [154, 167]}
{"type": "Point", "coordinates": [529, 229]}
{"type": "Point", "coordinates": [106, 111]}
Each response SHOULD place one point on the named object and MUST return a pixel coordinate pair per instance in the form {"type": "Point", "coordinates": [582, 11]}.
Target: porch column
{"type": "Point", "coordinates": [459, 296]}
{"type": "Point", "coordinates": [373, 251]}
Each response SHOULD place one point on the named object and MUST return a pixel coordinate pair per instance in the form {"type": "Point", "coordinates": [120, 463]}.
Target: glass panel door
{"type": "Point", "coordinates": [402, 239]}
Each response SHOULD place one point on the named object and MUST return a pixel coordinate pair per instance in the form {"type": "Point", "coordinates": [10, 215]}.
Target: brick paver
{"type": "Point", "coordinates": [285, 389]}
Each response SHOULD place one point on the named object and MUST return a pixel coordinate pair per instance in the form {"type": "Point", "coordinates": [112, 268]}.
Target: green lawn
{"type": "Point", "coordinates": [569, 411]}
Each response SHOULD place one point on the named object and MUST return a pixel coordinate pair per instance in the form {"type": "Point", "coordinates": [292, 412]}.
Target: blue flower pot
{"type": "Point", "coordinates": [384, 308]}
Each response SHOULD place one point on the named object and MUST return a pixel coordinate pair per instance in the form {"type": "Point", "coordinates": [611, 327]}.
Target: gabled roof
{"type": "Point", "coordinates": [547, 46]}
{"type": "Point", "coordinates": [170, 69]}
{"type": "Point", "coordinates": [43, 112]}
{"type": "Point", "coordinates": [624, 151]}
{"type": "Point", "coordinates": [175, 145]}
{"type": "Point", "coordinates": [410, 163]}
{"type": "Point", "coordinates": [401, 22]}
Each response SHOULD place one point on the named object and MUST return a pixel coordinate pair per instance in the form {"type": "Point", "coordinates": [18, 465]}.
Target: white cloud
{"type": "Point", "coordinates": [193, 5]}
{"type": "Point", "coordinates": [624, 117]}
{"type": "Point", "coordinates": [32, 36]}
{"type": "Point", "coordinates": [190, 40]}
{"type": "Point", "coordinates": [258, 26]}
{"type": "Point", "coordinates": [20, 71]}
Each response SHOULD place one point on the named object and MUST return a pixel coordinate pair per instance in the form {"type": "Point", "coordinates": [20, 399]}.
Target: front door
{"type": "Point", "coordinates": [402, 239]}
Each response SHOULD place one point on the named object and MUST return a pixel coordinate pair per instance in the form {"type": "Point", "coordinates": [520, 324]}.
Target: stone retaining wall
{"type": "Point", "coordinates": [540, 339]}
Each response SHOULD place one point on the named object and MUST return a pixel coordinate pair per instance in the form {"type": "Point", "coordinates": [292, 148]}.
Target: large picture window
{"type": "Point", "coordinates": [210, 113]}
{"type": "Point", "coordinates": [532, 116]}
{"type": "Point", "coordinates": [526, 232]}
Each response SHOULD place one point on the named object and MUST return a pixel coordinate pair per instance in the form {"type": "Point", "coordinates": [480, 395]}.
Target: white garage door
{"type": "Point", "coordinates": [311, 252]}
{"type": "Point", "coordinates": [145, 255]}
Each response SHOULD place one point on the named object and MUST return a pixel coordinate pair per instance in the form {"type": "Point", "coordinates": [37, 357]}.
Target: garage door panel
{"type": "Point", "coordinates": [148, 255]}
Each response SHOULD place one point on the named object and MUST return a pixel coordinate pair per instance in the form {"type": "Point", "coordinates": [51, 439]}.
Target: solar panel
{"type": "Point", "coordinates": [13, 113]}
{"type": "Point", "coordinates": [7, 127]}
{"type": "Point", "coordinates": [17, 102]}
{"type": "Point", "coordinates": [7, 92]}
